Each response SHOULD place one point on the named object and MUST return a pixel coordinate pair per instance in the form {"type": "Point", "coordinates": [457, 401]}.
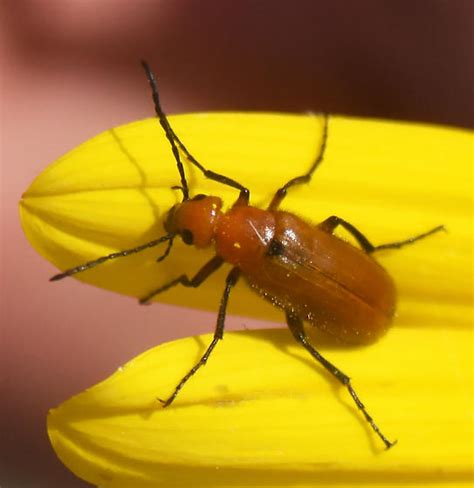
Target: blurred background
{"type": "Point", "coordinates": [71, 70]}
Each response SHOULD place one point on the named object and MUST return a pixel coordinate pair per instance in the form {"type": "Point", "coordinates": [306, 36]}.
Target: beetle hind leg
{"type": "Point", "coordinates": [296, 326]}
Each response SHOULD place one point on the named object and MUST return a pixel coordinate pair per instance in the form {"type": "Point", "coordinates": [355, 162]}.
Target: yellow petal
{"type": "Point", "coordinates": [391, 180]}
{"type": "Point", "coordinates": [258, 414]}
{"type": "Point", "coordinates": [261, 413]}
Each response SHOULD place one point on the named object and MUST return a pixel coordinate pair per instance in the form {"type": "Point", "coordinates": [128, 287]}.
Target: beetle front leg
{"type": "Point", "coordinates": [212, 265]}
{"type": "Point", "coordinates": [305, 178]}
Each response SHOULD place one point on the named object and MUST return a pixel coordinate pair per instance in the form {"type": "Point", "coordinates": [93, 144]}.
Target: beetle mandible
{"type": "Point", "coordinates": [305, 270]}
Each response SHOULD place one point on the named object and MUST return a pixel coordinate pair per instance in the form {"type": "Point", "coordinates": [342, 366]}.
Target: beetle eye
{"type": "Point", "coordinates": [187, 236]}
{"type": "Point", "coordinates": [199, 197]}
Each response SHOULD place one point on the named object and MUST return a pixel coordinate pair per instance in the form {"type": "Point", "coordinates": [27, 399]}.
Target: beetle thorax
{"type": "Point", "coordinates": [243, 235]}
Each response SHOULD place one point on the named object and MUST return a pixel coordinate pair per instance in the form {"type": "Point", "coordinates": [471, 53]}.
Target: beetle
{"type": "Point", "coordinates": [304, 269]}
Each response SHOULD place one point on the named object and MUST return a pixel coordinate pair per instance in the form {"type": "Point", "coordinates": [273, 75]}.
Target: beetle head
{"type": "Point", "coordinates": [195, 220]}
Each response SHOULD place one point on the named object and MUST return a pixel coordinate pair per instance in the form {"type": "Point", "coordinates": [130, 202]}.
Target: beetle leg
{"type": "Point", "coordinates": [231, 280]}
{"type": "Point", "coordinates": [410, 240]}
{"type": "Point", "coordinates": [298, 180]}
{"type": "Point", "coordinates": [213, 265]}
{"type": "Point", "coordinates": [332, 222]}
{"type": "Point", "coordinates": [296, 326]}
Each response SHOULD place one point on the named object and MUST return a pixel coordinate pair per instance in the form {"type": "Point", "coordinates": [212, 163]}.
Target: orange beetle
{"type": "Point", "coordinates": [305, 270]}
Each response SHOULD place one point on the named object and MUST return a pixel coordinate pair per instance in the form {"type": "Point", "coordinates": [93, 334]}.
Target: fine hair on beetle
{"type": "Point", "coordinates": [304, 269]}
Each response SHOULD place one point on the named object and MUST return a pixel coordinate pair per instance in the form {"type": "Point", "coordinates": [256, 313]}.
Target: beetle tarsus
{"type": "Point", "coordinates": [410, 240]}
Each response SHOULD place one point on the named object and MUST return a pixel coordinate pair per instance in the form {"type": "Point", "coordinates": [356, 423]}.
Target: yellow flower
{"type": "Point", "coordinates": [262, 413]}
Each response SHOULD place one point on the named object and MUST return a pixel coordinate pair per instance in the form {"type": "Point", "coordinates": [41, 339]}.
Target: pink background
{"type": "Point", "coordinates": [71, 70]}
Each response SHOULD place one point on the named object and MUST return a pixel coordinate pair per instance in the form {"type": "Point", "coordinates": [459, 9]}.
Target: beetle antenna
{"type": "Point", "coordinates": [115, 255]}
{"type": "Point", "coordinates": [166, 127]}
{"type": "Point", "coordinates": [176, 143]}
